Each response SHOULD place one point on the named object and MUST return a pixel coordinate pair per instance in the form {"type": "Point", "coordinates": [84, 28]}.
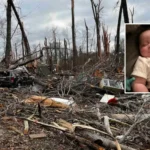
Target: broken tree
{"type": "Point", "coordinates": [73, 35]}
{"type": "Point", "coordinates": [96, 8]}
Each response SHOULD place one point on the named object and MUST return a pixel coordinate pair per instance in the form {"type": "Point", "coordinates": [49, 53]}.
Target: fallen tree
{"type": "Point", "coordinates": [24, 62]}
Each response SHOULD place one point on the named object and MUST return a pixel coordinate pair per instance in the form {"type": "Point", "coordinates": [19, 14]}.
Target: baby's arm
{"type": "Point", "coordinates": [139, 85]}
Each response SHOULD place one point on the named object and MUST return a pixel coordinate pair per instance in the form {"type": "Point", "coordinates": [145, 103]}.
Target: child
{"type": "Point", "coordinates": [141, 70]}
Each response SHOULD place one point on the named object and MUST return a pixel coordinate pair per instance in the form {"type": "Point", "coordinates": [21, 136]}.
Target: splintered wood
{"type": "Point", "coordinates": [44, 101]}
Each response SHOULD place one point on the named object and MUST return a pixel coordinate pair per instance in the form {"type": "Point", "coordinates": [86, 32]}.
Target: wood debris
{"type": "Point", "coordinates": [35, 136]}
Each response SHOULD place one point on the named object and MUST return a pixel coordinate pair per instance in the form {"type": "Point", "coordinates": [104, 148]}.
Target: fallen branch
{"type": "Point", "coordinates": [85, 141]}
{"type": "Point", "coordinates": [106, 142]}
{"type": "Point", "coordinates": [14, 66]}
{"type": "Point", "coordinates": [45, 124]}
{"type": "Point", "coordinates": [128, 117]}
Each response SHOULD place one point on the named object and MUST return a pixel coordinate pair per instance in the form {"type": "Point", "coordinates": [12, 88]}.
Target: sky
{"type": "Point", "coordinates": [41, 16]}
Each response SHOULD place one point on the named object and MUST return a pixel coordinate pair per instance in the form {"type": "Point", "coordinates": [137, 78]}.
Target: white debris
{"type": "Point", "coordinates": [64, 101]}
{"type": "Point", "coordinates": [106, 98]}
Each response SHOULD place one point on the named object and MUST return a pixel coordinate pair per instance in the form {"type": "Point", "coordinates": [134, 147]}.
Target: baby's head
{"type": "Point", "coordinates": [144, 41]}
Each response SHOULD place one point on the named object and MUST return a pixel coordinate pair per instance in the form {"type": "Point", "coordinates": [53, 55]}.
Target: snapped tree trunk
{"type": "Point", "coordinates": [106, 41]}
{"type": "Point", "coordinates": [98, 42]}
{"type": "Point", "coordinates": [96, 8]}
{"type": "Point", "coordinates": [8, 38]}
{"type": "Point", "coordinates": [47, 53]}
{"type": "Point", "coordinates": [73, 36]}
{"type": "Point", "coordinates": [26, 43]}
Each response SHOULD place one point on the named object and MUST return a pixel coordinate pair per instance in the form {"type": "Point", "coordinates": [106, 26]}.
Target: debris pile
{"type": "Point", "coordinates": [74, 112]}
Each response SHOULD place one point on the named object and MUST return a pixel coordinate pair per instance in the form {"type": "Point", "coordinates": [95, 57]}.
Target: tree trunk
{"type": "Point", "coordinates": [60, 53]}
{"type": "Point", "coordinates": [47, 53]}
{"type": "Point", "coordinates": [65, 46]}
{"type": "Point", "coordinates": [118, 34]}
{"type": "Point", "coordinates": [16, 51]}
{"type": "Point", "coordinates": [55, 49]}
{"type": "Point", "coordinates": [125, 11]}
{"type": "Point", "coordinates": [87, 38]}
{"type": "Point", "coordinates": [98, 41]}
{"type": "Point", "coordinates": [8, 38]}
{"type": "Point", "coordinates": [51, 57]}
{"type": "Point", "coordinates": [26, 43]}
{"type": "Point", "coordinates": [96, 11]}
{"type": "Point", "coordinates": [106, 41]}
{"type": "Point", "coordinates": [123, 6]}
{"type": "Point", "coordinates": [73, 36]}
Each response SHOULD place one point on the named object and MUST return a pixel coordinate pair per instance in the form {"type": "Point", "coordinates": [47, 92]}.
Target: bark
{"type": "Point", "coordinates": [8, 38]}
{"type": "Point", "coordinates": [73, 36]}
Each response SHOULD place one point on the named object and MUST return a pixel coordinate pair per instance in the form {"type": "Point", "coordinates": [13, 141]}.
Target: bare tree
{"type": "Point", "coordinates": [54, 44]}
{"type": "Point", "coordinates": [123, 7]}
{"type": "Point", "coordinates": [106, 40]}
{"type": "Point", "coordinates": [51, 57]}
{"type": "Point", "coordinates": [96, 13]}
{"type": "Point", "coordinates": [118, 32]}
{"type": "Point", "coordinates": [47, 52]}
{"type": "Point", "coordinates": [125, 11]}
{"type": "Point", "coordinates": [73, 36]}
{"type": "Point", "coordinates": [132, 14]}
{"type": "Point", "coordinates": [8, 37]}
{"type": "Point", "coordinates": [87, 39]}
{"type": "Point", "coordinates": [66, 53]}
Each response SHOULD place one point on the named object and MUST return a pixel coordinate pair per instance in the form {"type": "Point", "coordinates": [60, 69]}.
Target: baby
{"type": "Point", "coordinates": [141, 70]}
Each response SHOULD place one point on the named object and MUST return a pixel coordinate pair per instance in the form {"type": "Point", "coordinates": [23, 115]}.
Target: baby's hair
{"type": "Point", "coordinates": [140, 30]}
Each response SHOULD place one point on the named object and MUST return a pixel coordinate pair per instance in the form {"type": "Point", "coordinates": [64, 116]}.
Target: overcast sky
{"type": "Point", "coordinates": [40, 16]}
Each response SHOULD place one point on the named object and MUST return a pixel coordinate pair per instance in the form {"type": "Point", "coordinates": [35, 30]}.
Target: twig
{"type": "Point", "coordinates": [131, 128]}
{"type": "Point", "coordinates": [44, 124]}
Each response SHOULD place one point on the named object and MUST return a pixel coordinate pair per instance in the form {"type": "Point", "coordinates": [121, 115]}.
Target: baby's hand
{"type": "Point", "coordinates": [128, 83]}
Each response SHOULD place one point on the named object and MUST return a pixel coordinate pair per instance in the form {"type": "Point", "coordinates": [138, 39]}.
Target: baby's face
{"type": "Point", "coordinates": [145, 43]}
